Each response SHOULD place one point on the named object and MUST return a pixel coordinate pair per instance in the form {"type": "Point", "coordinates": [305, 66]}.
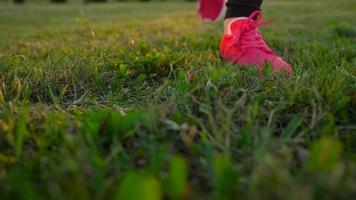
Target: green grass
{"type": "Point", "coordinates": [131, 101]}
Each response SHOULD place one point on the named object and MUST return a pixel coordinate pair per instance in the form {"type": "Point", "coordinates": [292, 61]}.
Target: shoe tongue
{"type": "Point", "coordinates": [236, 24]}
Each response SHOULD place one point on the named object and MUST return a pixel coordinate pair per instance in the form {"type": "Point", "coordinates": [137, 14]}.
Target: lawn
{"type": "Point", "coordinates": [131, 101]}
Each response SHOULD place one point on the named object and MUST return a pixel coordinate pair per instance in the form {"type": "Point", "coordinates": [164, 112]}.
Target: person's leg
{"type": "Point", "coordinates": [212, 9]}
{"type": "Point", "coordinates": [240, 8]}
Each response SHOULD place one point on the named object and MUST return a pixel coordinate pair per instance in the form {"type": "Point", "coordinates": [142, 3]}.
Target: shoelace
{"type": "Point", "coordinates": [251, 36]}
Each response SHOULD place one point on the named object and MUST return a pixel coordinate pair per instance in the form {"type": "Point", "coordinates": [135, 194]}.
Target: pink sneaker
{"type": "Point", "coordinates": [211, 9]}
{"type": "Point", "coordinates": [244, 45]}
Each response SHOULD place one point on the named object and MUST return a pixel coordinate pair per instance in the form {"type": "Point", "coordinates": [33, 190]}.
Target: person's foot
{"type": "Point", "coordinates": [211, 9]}
{"type": "Point", "coordinates": [243, 44]}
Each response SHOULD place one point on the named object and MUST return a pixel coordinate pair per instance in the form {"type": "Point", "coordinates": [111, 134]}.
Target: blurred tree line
{"type": "Point", "coordinates": [84, 1]}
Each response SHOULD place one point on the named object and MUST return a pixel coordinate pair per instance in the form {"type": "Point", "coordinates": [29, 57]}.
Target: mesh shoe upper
{"type": "Point", "coordinates": [244, 45]}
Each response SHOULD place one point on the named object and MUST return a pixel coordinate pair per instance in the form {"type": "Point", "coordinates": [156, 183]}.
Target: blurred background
{"type": "Point", "coordinates": [79, 1]}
